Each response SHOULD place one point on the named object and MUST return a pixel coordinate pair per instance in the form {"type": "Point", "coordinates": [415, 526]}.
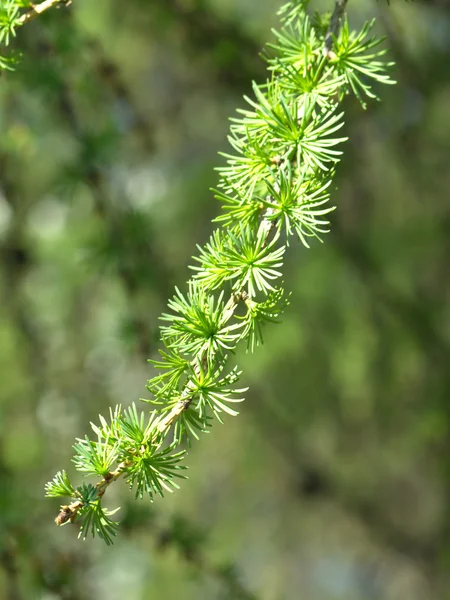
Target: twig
{"type": "Point", "coordinates": [335, 26]}
{"type": "Point", "coordinates": [39, 9]}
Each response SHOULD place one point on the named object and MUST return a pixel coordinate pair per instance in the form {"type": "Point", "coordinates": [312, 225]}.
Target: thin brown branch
{"type": "Point", "coordinates": [38, 9]}
{"type": "Point", "coordinates": [335, 26]}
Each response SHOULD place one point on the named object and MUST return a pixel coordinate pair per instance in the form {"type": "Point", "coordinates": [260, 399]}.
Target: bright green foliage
{"type": "Point", "coordinates": [94, 519]}
{"type": "Point", "coordinates": [153, 472]}
{"type": "Point", "coordinates": [10, 12]}
{"type": "Point", "coordinates": [60, 486]}
{"type": "Point", "coordinates": [211, 391]}
{"type": "Point", "coordinates": [274, 187]}
{"type": "Point", "coordinates": [244, 258]}
{"type": "Point", "coordinates": [199, 324]}
{"type": "Point", "coordinates": [358, 62]}
{"type": "Point", "coordinates": [95, 458]}
{"type": "Point", "coordinates": [259, 313]}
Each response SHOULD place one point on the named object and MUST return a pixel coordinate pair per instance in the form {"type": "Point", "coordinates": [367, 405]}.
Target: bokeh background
{"type": "Point", "coordinates": [334, 481]}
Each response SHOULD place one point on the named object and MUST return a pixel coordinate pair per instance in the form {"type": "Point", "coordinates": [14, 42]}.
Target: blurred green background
{"type": "Point", "coordinates": [334, 481]}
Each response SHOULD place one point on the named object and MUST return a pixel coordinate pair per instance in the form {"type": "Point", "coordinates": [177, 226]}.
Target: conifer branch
{"type": "Point", "coordinates": [274, 186]}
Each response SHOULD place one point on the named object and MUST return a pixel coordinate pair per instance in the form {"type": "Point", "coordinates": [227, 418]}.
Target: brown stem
{"type": "Point", "coordinates": [40, 8]}
{"type": "Point", "coordinates": [335, 26]}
